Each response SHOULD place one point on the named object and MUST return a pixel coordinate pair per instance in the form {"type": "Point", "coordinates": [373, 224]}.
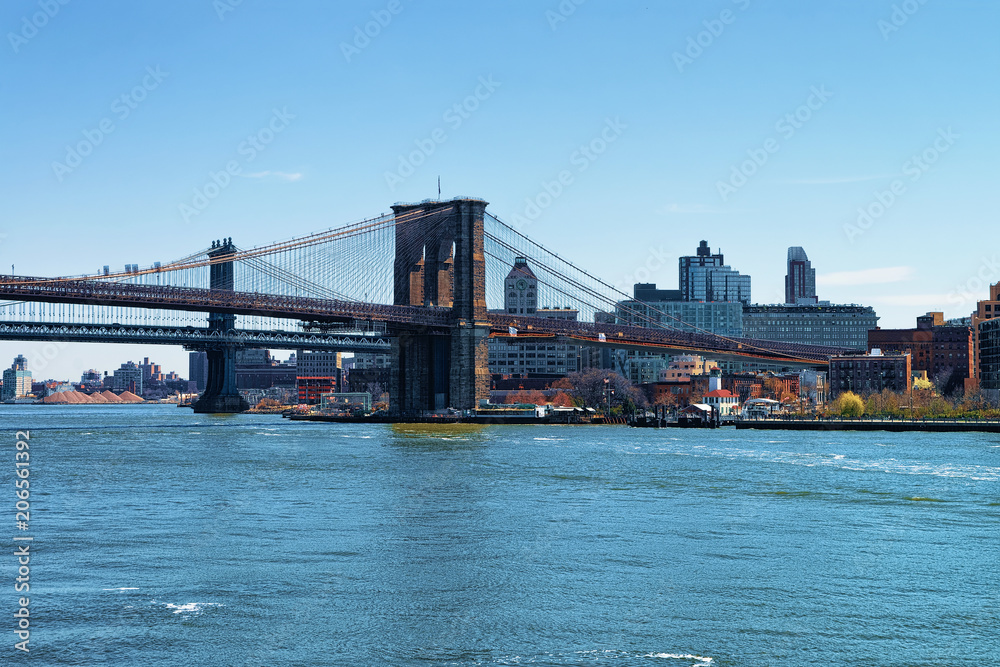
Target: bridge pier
{"type": "Point", "coordinates": [440, 262]}
{"type": "Point", "coordinates": [221, 395]}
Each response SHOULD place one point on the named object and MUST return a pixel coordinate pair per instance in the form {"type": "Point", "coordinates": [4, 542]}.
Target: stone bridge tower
{"type": "Point", "coordinates": [440, 262]}
{"type": "Point", "coordinates": [221, 395]}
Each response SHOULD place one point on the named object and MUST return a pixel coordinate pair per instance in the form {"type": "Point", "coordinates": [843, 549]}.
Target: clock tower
{"type": "Point", "coordinates": [521, 289]}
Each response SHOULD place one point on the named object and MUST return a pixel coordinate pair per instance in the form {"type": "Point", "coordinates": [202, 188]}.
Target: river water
{"type": "Point", "coordinates": [167, 538]}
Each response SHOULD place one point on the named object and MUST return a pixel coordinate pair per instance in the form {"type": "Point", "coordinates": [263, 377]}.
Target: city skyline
{"type": "Point", "coordinates": [657, 115]}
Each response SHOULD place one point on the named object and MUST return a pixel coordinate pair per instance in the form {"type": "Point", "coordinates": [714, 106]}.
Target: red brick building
{"type": "Point", "coordinates": [946, 353]}
{"type": "Point", "coordinates": [668, 392]}
{"type": "Point", "coordinates": [869, 373]}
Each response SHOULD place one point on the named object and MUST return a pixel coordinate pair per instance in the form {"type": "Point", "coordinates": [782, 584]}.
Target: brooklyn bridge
{"type": "Point", "coordinates": [418, 282]}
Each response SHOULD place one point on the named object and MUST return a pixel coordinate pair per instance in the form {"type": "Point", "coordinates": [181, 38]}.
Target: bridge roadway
{"type": "Point", "coordinates": [91, 292]}
{"type": "Point", "coordinates": [197, 337]}
{"type": "Point", "coordinates": [193, 299]}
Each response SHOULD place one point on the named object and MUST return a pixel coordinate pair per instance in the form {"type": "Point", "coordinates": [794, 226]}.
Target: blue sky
{"type": "Point", "coordinates": [754, 125]}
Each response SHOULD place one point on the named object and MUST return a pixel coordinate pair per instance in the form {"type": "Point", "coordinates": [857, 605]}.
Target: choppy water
{"type": "Point", "coordinates": [166, 538]}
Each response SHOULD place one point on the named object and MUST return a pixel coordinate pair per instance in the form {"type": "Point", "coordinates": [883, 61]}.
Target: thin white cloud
{"type": "Point", "coordinates": [275, 174]}
{"type": "Point", "coordinates": [891, 274]}
{"type": "Point", "coordinates": [836, 180]}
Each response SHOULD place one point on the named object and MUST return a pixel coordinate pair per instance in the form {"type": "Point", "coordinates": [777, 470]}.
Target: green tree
{"type": "Point", "coordinates": [849, 404]}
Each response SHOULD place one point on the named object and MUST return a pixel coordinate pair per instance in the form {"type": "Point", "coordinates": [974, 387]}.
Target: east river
{"type": "Point", "coordinates": [167, 538]}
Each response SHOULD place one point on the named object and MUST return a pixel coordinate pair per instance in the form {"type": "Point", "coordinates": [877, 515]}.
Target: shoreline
{"type": "Point", "coordinates": [891, 425]}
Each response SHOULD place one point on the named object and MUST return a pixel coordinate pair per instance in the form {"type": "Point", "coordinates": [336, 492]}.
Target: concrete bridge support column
{"type": "Point", "coordinates": [221, 394]}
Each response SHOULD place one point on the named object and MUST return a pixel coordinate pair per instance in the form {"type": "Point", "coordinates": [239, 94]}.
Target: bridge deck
{"type": "Point", "coordinates": [103, 293]}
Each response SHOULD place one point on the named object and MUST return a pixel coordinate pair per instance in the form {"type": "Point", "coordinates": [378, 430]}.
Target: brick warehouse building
{"type": "Point", "coordinates": [870, 373]}
{"type": "Point", "coordinates": [946, 353]}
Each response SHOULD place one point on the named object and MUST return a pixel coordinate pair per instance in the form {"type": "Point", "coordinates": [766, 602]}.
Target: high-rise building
{"type": "Point", "coordinates": [800, 279]}
{"type": "Point", "coordinates": [521, 289]}
{"type": "Point", "coordinates": [987, 309]}
{"type": "Point", "coordinates": [128, 378]}
{"type": "Point", "coordinates": [16, 379]}
{"type": "Point", "coordinates": [91, 377]}
{"type": "Point", "coordinates": [705, 277]}
{"type": "Point", "coordinates": [989, 357]}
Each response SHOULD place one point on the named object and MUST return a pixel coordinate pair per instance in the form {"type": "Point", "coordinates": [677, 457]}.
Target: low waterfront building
{"type": "Point", "coordinates": [723, 401]}
{"type": "Point", "coordinates": [667, 392]}
{"type": "Point", "coordinates": [369, 371]}
{"type": "Point", "coordinates": [870, 373]}
{"type": "Point", "coordinates": [348, 402]}
{"type": "Point", "coordinates": [682, 367]}
{"type": "Point", "coordinates": [255, 369]}
{"type": "Point", "coordinates": [318, 373]}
